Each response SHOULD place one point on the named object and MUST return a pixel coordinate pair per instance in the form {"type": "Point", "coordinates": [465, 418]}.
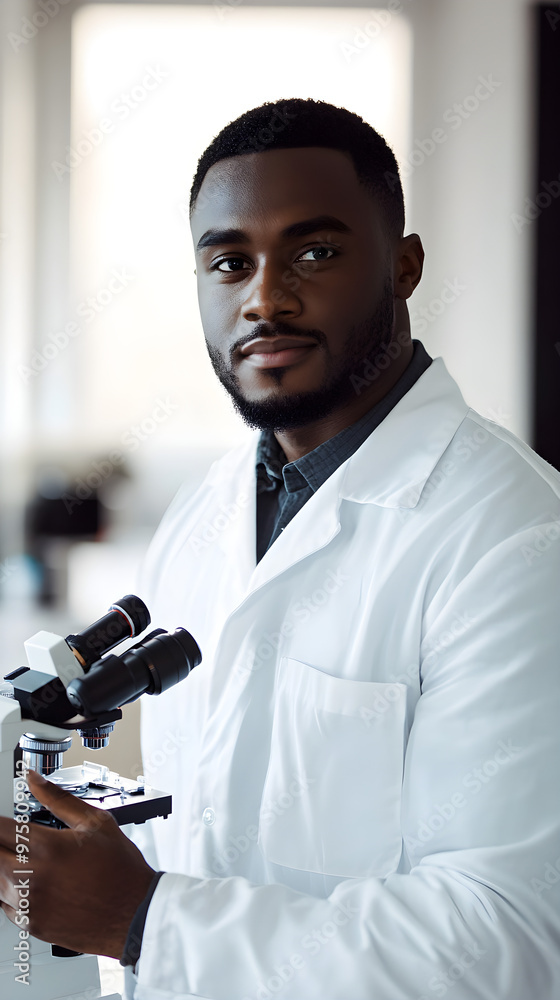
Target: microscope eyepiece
{"type": "Point", "coordinates": [125, 619]}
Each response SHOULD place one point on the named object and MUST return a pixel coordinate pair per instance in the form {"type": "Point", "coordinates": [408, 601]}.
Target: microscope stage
{"type": "Point", "coordinates": [127, 800]}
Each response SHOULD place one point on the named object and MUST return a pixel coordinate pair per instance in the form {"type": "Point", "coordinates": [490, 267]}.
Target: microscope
{"type": "Point", "coordinates": [77, 684]}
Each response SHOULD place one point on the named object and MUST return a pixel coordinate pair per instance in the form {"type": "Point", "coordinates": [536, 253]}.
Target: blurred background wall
{"type": "Point", "coordinates": [107, 398]}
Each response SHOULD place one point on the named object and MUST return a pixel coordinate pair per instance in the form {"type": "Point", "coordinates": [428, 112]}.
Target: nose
{"type": "Point", "coordinates": [271, 293]}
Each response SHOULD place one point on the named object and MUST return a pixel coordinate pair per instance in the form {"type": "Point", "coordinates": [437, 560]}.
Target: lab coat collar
{"type": "Point", "coordinates": [394, 463]}
{"type": "Point", "coordinates": [389, 469]}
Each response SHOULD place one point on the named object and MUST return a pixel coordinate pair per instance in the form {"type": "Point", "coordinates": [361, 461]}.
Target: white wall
{"type": "Point", "coordinates": [464, 195]}
{"type": "Point", "coordinates": [17, 229]}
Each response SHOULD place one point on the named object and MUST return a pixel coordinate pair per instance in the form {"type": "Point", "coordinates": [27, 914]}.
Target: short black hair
{"type": "Point", "coordinates": [296, 122]}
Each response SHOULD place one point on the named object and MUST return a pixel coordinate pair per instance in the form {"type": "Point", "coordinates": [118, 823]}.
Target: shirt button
{"type": "Point", "coordinates": [208, 817]}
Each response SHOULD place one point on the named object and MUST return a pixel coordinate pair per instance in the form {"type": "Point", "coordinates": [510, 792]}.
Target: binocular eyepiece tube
{"type": "Point", "coordinates": [153, 665]}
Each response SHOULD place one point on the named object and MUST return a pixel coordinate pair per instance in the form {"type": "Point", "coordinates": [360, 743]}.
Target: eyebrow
{"type": "Point", "coordinates": [217, 237]}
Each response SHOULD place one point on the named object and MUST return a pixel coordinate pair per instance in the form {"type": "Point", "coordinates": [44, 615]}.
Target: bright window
{"type": "Point", "coordinates": [151, 87]}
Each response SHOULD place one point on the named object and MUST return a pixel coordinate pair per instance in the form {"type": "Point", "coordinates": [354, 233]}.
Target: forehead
{"type": "Point", "coordinates": [267, 190]}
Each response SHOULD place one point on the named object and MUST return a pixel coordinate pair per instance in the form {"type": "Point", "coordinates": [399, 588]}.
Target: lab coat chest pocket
{"type": "Point", "coordinates": [332, 794]}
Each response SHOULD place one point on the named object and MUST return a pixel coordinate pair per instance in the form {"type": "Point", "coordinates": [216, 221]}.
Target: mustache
{"type": "Point", "coordinates": [278, 329]}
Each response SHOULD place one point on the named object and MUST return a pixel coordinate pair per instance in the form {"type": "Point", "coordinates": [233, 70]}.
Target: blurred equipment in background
{"type": "Point", "coordinates": [66, 509]}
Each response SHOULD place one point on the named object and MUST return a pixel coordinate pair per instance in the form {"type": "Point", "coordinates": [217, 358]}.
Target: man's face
{"type": "Point", "coordinates": [288, 317]}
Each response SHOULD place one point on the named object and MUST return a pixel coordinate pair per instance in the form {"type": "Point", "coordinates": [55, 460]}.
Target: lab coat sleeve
{"type": "Point", "coordinates": [478, 914]}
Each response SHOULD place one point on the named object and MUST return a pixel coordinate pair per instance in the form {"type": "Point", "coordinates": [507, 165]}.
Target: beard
{"type": "Point", "coordinates": [365, 342]}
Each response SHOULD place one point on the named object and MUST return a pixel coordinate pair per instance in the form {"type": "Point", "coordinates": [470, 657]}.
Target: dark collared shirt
{"type": "Point", "coordinates": [283, 487]}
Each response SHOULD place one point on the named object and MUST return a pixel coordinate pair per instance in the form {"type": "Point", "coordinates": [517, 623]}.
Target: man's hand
{"type": "Point", "coordinates": [85, 882]}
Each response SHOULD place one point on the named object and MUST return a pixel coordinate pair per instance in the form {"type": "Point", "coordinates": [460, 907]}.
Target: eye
{"type": "Point", "coordinates": [227, 260]}
{"type": "Point", "coordinates": [318, 249]}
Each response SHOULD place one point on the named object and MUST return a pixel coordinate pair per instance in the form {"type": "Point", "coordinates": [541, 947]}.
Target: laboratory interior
{"type": "Point", "coordinates": [108, 400]}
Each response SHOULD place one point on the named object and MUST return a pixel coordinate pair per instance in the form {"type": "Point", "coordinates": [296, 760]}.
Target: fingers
{"type": "Point", "coordinates": [78, 815]}
{"type": "Point", "coordinates": [85, 882]}
{"type": "Point", "coordinates": [7, 833]}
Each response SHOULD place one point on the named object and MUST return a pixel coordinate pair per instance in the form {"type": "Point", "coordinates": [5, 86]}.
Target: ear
{"type": "Point", "coordinates": [409, 262]}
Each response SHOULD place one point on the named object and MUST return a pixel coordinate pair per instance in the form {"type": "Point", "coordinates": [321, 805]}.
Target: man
{"type": "Point", "coordinates": [364, 766]}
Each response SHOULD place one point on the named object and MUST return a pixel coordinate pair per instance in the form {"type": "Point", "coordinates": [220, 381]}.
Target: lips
{"type": "Point", "coordinates": [277, 352]}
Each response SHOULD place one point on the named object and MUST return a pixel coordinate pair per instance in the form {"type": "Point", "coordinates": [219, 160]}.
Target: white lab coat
{"type": "Point", "coordinates": [365, 765]}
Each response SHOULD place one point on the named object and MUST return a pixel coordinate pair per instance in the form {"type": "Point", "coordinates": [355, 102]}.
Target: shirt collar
{"type": "Point", "coordinates": [270, 461]}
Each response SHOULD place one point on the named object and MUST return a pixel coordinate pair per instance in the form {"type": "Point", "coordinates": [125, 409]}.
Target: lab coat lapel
{"type": "Point", "coordinates": [393, 465]}
{"type": "Point", "coordinates": [312, 528]}
{"type": "Point", "coordinates": [235, 483]}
